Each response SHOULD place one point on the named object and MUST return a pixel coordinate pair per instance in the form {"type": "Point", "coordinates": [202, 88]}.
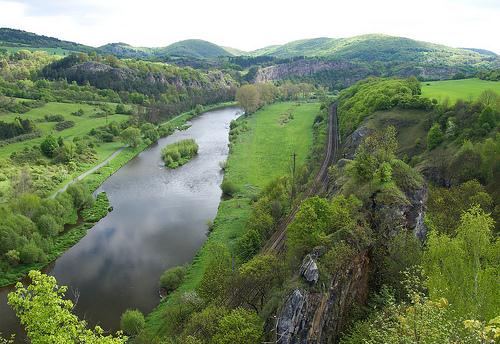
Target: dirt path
{"type": "Point", "coordinates": [92, 170]}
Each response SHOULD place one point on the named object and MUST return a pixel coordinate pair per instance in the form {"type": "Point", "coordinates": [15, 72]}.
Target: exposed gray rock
{"type": "Point", "coordinates": [319, 317]}
{"type": "Point", "coordinates": [352, 141]}
{"type": "Point", "coordinates": [290, 317]}
{"type": "Point", "coordinates": [309, 269]}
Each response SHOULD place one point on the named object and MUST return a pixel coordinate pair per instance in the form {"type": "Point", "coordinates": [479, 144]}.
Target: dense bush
{"type": "Point", "coordinates": [64, 125]}
{"type": "Point", "coordinates": [132, 322]}
{"type": "Point", "coordinates": [172, 278]}
{"type": "Point", "coordinates": [228, 188]}
{"type": "Point", "coordinates": [54, 118]}
{"type": "Point", "coordinates": [179, 153]}
{"type": "Point", "coordinates": [16, 128]}
{"type": "Point", "coordinates": [372, 94]}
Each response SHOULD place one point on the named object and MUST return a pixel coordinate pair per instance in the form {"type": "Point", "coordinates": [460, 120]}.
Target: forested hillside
{"type": "Point", "coordinates": [359, 201]}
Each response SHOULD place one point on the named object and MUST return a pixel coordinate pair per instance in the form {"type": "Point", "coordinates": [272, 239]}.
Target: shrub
{"type": "Point", "coordinates": [172, 278]}
{"type": "Point", "coordinates": [228, 188]}
{"type": "Point", "coordinates": [54, 118]}
{"type": "Point", "coordinates": [60, 126]}
{"type": "Point", "coordinates": [132, 322]}
{"type": "Point", "coordinates": [434, 137]}
{"type": "Point", "coordinates": [49, 146]}
{"type": "Point", "coordinates": [48, 226]}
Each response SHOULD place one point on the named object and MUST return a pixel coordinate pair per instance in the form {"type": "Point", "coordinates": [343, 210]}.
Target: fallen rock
{"type": "Point", "coordinates": [309, 269]}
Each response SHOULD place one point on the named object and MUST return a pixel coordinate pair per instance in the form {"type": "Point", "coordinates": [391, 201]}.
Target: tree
{"type": "Point", "coordinates": [49, 146]}
{"type": "Point", "coordinates": [214, 282]}
{"type": "Point", "coordinates": [248, 98]}
{"type": "Point", "coordinates": [131, 136]}
{"type": "Point", "coordinates": [464, 269]}
{"type": "Point", "coordinates": [434, 136]}
{"type": "Point", "coordinates": [47, 316]}
{"type": "Point", "coordinates": [48, 226]}
{"type": "Point", "coordinates": [240, 326]}
{"type": "Point", "coordinates": [204, 324]}
{"type": "Point", "coordinates": [132, 322]}
{"type": "Point", "coordinates": [172, 278]}
{"type": "Point", "coordinates": [260, 275]}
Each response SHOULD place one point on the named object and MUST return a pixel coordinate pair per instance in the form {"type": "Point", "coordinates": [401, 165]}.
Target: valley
{"type": "Point", "coordinates": [325, 190]}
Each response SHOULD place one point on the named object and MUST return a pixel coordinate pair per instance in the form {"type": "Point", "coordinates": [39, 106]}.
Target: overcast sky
{"type": "Point", "coordinates": [254, 24]}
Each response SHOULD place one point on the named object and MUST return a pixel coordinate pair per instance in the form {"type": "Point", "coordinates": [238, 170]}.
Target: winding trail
{"type": "Point", "coordinates": [92, 170]}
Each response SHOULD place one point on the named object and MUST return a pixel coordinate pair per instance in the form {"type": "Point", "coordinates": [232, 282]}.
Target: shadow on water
{"type": "Point", "coordinates": [158, 221]}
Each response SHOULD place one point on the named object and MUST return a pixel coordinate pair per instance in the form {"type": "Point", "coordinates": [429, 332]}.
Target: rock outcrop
{"type": "Point", "coordinates": [309, 269]}
{"type": "Point", "coordinates": [318, 317]}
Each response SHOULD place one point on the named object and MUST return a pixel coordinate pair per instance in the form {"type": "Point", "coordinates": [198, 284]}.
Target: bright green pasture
{"type": "Point", "coordinates": [466, 89]}
{"type": "Point", "coordinates": [82, 126]}
{"type": "Point", "coordinates": [265, 151]}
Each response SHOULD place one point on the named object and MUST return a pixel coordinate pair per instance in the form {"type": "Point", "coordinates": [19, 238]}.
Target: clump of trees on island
{"type": "Point", "coordinates": [179, 153]}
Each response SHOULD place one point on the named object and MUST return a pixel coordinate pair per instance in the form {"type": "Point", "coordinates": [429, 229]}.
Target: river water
{"type": "Point", "coordinates": [158, 221]}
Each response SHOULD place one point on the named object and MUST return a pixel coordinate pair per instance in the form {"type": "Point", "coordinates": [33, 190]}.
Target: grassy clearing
{"type": "Point", "coordinates": [466, 89]}
{"type": "Point", "coordinates": [258, 155]}
{"type": "Point", "coordinates": [410, 125]}
{"type": "Point", "coordinates": [265, 152]}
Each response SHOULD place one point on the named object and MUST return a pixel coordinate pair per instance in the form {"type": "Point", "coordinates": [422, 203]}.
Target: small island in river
{"type": "Point", "coordinates": [179, 153]}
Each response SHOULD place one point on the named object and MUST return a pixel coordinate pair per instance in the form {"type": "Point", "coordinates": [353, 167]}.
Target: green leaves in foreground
{"type": "Point", "coordinates": [47, 316]}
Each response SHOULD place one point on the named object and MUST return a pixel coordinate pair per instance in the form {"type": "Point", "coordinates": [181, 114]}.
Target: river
{"type": "Point", "coordinates": [159, 220]}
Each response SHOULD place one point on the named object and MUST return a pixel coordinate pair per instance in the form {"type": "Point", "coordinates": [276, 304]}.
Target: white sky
{"type": "Point", "coordinates": [253, 24]}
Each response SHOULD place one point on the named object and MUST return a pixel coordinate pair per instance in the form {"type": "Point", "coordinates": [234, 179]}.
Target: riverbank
{"type": "Point", "coordinates": [75, 232]}
{"type": "Point", "coordinates": [261, 150]}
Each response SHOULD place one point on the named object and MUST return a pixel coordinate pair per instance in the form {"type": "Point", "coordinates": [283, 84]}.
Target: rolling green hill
{"type": "Point", "coordinates": [374, 47]}
{"type": "Point", "coordinates": [196, 48]}
{"type": "Point", "coordinates": [12, 38]}
{"type": "Point", "coordinates": [125, 50]}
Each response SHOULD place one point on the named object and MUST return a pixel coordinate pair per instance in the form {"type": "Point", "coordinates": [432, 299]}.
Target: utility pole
{"type": "Point", "coordinates": [294, 155]}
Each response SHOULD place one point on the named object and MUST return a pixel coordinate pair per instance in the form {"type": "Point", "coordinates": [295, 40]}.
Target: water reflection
{"type": "Point", "coordinates": [159, 220]}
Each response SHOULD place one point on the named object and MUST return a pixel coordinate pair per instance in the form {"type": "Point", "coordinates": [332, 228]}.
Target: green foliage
{"type": "Point", "coordinates": [239, 326]}
{"type": "Point", "coordinates": [131, 136]}
{"type": "Point", "coordinates": [248, 98]}
{"type": "Point", "coordinates": [422, 320]}
{"type": "Point", "coordinates": [434, 137]}
{"type": "Point", "coordinates": [132, 322]}
{"type": "Point", "coordinates": [179, 153]}
{"type": "Point", "coordinates": [60, 126]}
{"type": "Point", "coordinates": [214, 282]}
{"type": "Point", "coordinates": [47, 316]}
{"type": "Point", "coordinates": [258, 277]}
{"type": "Point", "coordinates": [318, 220]}
{"type": "Point", "coordinates": [464, 268]}
{"type": "Point", "coordinates": [99, 209]}
{"type": "Point", "coordinates": [49, 146]}
{"type": "Point", "coordinates": [446, 205]}
{"type": "Point", "coordinates": [172, 278]}
{"type": "Point", "coordinates": [204, 324]}
{"type": "Point", "coordinates": [372, 94]}
{"type": "Point", "coordinates": [228, 187]}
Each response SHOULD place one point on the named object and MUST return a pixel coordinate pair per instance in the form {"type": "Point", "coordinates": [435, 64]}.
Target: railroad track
{"type": "Point", "coordinates": [277, 241]}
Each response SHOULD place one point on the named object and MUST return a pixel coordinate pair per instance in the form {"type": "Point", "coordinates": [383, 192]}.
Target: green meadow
{"type": "Point", "coordinates": [83, 124]}
{"type": "Point", "coordinates": [466, 89]}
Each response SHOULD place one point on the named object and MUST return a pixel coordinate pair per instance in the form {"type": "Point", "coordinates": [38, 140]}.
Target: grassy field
{"type": "Point", "coordinates": [83, 125]}
{"type": "Point", "coordinates": [258, 156]}
{"type": "Point", "coordinates": [466, 89]}
{"type": "Point", "coordinates": [51, 51]}
{"type": "Point", "coordinates": [266, 152]}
